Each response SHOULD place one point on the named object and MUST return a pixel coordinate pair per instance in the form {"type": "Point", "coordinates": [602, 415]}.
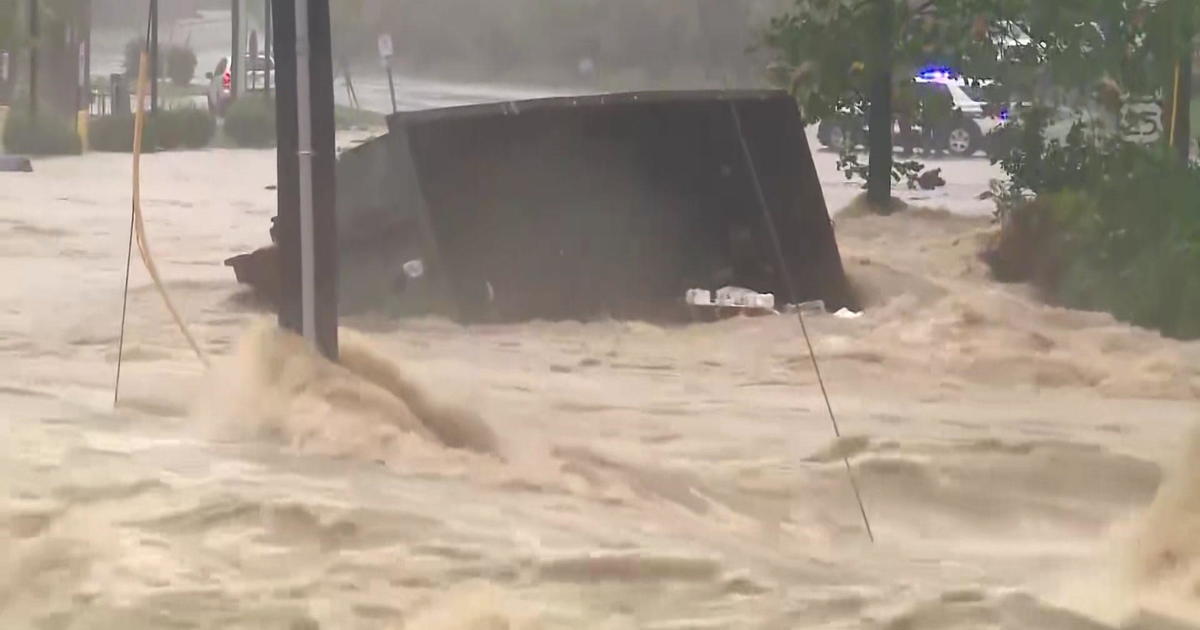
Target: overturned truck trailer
{"type": "Point", "coordinates": [580, 207]}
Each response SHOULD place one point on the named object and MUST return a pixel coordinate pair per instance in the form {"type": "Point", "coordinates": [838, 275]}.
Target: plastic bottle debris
{"type": "Point", "coordinates": [732, 298]}
{"type": "Point", "coordinates": [699, 297]}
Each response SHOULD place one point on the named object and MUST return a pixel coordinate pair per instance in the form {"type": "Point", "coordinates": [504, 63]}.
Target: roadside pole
{"type": "Point", "coordinates": [34, 35]}
{"type": "Point", "coordinates": [386, 51]}
{"type": "Point", "coordinates": [153, 44]}
{"type": "Point", "coordinates": [235, 57]}
{"type": "Point", "coordinates": [306, 224]}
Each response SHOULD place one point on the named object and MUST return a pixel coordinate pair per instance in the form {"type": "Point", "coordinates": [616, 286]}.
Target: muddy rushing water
{"type": "Point", "coordinates": [609, 475]}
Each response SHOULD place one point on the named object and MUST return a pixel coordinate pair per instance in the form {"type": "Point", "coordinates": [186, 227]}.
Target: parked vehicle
{"type": "Point", "coordinates": [259, 70]}
{"type": "Point", "coordinates": [966, 132]}
{"type": "Point", "coordinates": [220, 88]}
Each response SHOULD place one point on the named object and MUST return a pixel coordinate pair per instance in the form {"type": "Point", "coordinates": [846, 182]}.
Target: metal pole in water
{"type": "Point", "coordinates": [304, 150]}
{"type": "Point", "coordinates": [306, 224]}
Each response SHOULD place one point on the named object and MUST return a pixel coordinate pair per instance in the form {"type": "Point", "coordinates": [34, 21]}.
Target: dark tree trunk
{"type": "Point", "coordinates": [879, 139]}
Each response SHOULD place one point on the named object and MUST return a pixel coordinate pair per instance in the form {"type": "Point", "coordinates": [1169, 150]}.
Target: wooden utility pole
{"type": "Point", "coordinates": [86, 80]}
{"type": "Point", "coordinates": [267, 35]}
{"type": "Point", "coordinates": [306, 224]}
{"type": "Point", "coordinates": [34, 44]}
{"type": "Point", "coordinates": [153, 46]}
{"type": "Point", "coordinates": [879, 133]}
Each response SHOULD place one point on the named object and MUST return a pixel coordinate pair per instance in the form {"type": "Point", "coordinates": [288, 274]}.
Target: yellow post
{"type": "Point", "coordinates": [3, 117]}
{"type": "Point", "coordinates": [82, 118]}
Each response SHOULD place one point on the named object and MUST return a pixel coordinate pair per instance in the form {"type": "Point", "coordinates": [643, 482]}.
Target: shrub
{"type": "Point", "coordinates": [181, 65]}
{"type": "Point", "coordinates": [115, 133]}
{"type": "Point", "coordinates": [250, 121]}
{"type": "Point", "coordinates": [44, 135]}
{"type": "Point", "coordinates": [1114, 230]}
{"type": "Point", "coordinates": [188, 127]}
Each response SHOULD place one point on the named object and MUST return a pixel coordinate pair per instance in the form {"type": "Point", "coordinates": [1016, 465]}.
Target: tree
{"type": "Point", "coordinates": [851, 56]}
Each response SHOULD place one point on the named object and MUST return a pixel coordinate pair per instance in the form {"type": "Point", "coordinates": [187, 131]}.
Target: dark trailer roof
{"type": "Point", "coordinates": [605, 205]}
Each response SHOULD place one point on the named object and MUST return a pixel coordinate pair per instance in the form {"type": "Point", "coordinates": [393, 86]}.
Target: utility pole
{"type": "Point", "coordinates": [269, 61]}
{"type": "Point", "coordinates": [34, 36]}
{"type": "Point", "coordinates": [879, 132]}
{"type": "Point", "coordinates": [235, 61]}
{"type": "Point", "coordinates": [86, 79]}
{"type": "Point", "coordinates": [153, 45]}
{"type": "Point", "coordinates": [306, 224]}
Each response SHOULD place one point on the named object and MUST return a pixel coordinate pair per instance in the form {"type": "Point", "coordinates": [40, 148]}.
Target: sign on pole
{"type": "Point", "coordinates": [386, 52]}
{"type": "Point", "coordinates": [385, 47]}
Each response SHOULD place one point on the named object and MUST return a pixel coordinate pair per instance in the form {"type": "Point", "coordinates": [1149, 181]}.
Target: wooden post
{"type": "Point", "coordinates": [34, 36]}
{"type": "Point", "coordinates": [87, 55]}
{"type": "Point", "coordinates": [267, 52]}
{"type": "Point", "coordinates": [153, 47]}
{"type": "Point", "coordinates": [306, 224]}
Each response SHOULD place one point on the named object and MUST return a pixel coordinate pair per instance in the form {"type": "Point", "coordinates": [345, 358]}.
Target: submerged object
{"type": "Point", "coordinates": [581, 207]}
{"type": "Point", "coordinates": [15, 164]}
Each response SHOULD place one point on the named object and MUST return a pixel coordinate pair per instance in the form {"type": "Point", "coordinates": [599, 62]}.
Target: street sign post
{"type": "Point", "coordinates": [386, 52]}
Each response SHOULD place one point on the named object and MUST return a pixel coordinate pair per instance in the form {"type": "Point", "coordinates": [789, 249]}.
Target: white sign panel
{"type": "Point", "coordinates": [1142, 121]}
{"type": "Point", "coordinates": [385, 46]}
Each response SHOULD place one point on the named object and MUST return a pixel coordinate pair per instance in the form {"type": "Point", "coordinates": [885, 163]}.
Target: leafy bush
{"type": "Point", "coordinates": [181, 65]}
{"type": "Point", "coordinates": [250, 121]}
{"type": "Point", "coordinates": [115, 133]}
{"type": "Point", "coordinates": [169, 129]}
{"type": "Point", "coordinates": [188, 127]}
{"type": "Point", "coordinates": [44, 135]}
{"type": "Point", "coordinates": [1113, 227]}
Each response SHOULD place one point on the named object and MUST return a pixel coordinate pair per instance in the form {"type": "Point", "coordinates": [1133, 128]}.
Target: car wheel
{"type": "Point", "coordinates": [963, 139]}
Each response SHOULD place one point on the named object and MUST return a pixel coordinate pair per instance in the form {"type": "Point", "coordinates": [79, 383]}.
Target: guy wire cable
{"type": "Point", "coordinates": [137, 226]}
{"type": "Point", "coordinates": [787, 279]}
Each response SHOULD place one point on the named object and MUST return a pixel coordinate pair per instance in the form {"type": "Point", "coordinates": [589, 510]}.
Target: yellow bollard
{"type": "Point", "coordinates": [3, 117]}
{"type": "Point", "coordinates": [82, 118]}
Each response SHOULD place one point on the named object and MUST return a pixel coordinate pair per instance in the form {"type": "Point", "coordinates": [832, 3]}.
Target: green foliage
{"type": "Point", "coordinates": [822, 49]}
{"type": "Point", "coordinates": [181, 65]}
{"type": "Point", "coordinates": [115, 134]}
{"type": "Point", "coordinates": [1120, 222]}
{"type": "Point", "coordinates": [44, 135]}
{"type": "Point", "coordinates": [830, 53]}
{"type": "Point", "coordinates": [250, 122]}
{"type": "Point", "coordinates": [905, 171]}
{"type": "Point", "coordinates": [187, 127]}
